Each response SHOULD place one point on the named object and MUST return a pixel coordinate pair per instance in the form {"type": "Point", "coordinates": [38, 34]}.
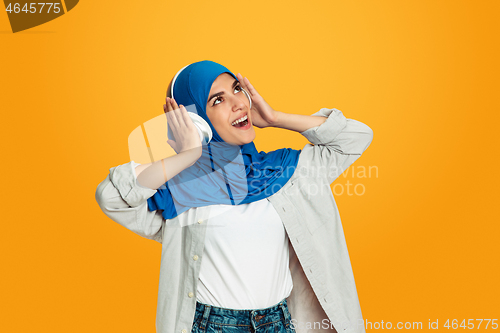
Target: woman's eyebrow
{"type": "Point", "coordinates": [221, 92]}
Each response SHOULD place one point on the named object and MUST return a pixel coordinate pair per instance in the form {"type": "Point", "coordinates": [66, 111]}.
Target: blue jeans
{"type": "Point", "coordinates": [212, 319]}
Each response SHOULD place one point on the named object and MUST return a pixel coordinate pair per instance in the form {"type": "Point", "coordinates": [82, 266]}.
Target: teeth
{"type": "Point", "coordinates": [240, 120]}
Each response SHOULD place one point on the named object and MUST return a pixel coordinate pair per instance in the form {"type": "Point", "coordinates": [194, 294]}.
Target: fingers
{"type": "Point", "coordinates": [240, 78]}
{"type": "Point", "coordinates": [245, 83]}
{"type": "Point", "coordinates": [178, 111]}
{"type": "Point", "coordinates": [167, 107]}
{"type": "Point", "coordinates": [187, 120]}
{"type": "Point", "coordinates": [182, 126]}
{"type": "Point", "coordinates": [250, 89]}
{"type": "Point", "coordinates": [171, 116]}
{"type": "Point", "coordinates": [172, 121]}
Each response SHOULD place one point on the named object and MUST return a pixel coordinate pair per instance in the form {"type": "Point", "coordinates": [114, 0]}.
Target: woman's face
{"type": "Point", "coordinates": [226, 104]}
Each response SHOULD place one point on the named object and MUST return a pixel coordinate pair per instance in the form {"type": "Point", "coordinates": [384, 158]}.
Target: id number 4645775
{"type": "Point", "coordinates": [471, 324]}
{"type": "Point", "coordinates": [34, 8]}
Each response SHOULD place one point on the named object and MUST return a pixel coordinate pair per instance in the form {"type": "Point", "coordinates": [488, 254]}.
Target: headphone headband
{"type": "Point", "coordinates": [171, 86]}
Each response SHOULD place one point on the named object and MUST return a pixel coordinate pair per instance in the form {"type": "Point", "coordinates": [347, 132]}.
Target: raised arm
{"type": "Point", "coordinates": [187, 145]}
{"type": "Point", "coordinates": [338, 142]}
{"type": "Point", "coordinates": [123, 195]}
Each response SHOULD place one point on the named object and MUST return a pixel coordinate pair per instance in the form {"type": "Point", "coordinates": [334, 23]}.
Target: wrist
{"type": "Point", "coordinates": [190, 156]}
{"type": "Point", "coordinates": [280, 119]}
{"type": "Point", "coordinates": [297, 122]}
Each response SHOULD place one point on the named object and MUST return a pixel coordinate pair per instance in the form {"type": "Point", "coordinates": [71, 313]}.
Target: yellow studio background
{"type": "Point", "coordinates": [422, 238]}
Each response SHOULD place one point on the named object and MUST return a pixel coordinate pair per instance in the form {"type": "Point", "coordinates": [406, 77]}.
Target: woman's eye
{"type": "Point", "coordinates": [217, 99]}
{"type": "Point", "coordinates": [237, 89]}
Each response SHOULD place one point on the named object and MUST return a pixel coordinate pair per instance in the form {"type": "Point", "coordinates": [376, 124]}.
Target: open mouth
{"type": "Point", "coordinates": [241, 123]}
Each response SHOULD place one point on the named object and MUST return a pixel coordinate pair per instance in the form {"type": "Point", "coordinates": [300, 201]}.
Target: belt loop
{"type": "Point", "coordinates": [206, 314]}
{"type": "Point", "coordinates": [252, 320]}
{"type": "Point", "coordinates": [286, 313]}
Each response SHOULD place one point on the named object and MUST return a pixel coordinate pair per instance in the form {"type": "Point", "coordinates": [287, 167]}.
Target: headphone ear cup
{"type": "Point", "coordinates": [201, 125]}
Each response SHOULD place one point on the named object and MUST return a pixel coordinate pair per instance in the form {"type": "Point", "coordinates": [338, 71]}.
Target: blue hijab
{"type": "Point", "coordinates": [224, 174]}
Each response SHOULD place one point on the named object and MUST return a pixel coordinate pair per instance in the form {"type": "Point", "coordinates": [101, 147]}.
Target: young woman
{"type": "Point", "coordinates": [251, 241]}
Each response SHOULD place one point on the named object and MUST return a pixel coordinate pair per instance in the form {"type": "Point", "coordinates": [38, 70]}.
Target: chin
{"type": "Point", "coordinates": [249, 139]}
{"type": "Point", "coordinates": [240, 143]}
{"type": "Point", "coordinates": [242, 139]}
{"type": "Point", "coordinates": [238, 138]}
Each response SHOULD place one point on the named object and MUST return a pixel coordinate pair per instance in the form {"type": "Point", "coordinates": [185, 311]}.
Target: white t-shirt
{"type": "Point", "coordinates": [245, 260]}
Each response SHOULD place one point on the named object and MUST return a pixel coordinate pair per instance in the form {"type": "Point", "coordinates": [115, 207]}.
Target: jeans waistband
{"type": "Point", "coordinates": [206, 314]}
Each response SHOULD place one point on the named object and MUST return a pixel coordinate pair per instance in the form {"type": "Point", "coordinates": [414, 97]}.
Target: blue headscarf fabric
{"type": "Point", "coordinates": [224, 174]}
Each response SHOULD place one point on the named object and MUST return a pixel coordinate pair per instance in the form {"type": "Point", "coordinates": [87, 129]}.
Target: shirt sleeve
{"type": "Point", "coordinates": [124, 201]}
{"type": "Point", "coordinates": [338, 143]}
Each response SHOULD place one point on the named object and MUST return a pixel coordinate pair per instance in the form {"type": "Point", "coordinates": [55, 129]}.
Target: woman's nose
{"type": "Point", "coordinates": [238, 103]}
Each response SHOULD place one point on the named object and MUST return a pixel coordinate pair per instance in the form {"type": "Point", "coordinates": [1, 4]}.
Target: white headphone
{"type": "Point", "coordinates": [248, 96]}
{"type": "Point", "coordinates": [202, 126]}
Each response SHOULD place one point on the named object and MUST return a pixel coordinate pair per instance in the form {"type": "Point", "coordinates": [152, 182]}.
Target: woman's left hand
{"type": "Point", "coordinates": [262, 114]}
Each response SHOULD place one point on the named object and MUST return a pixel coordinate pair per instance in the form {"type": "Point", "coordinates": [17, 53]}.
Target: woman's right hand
{"type": "Point", "coordinates": [184, 131]}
